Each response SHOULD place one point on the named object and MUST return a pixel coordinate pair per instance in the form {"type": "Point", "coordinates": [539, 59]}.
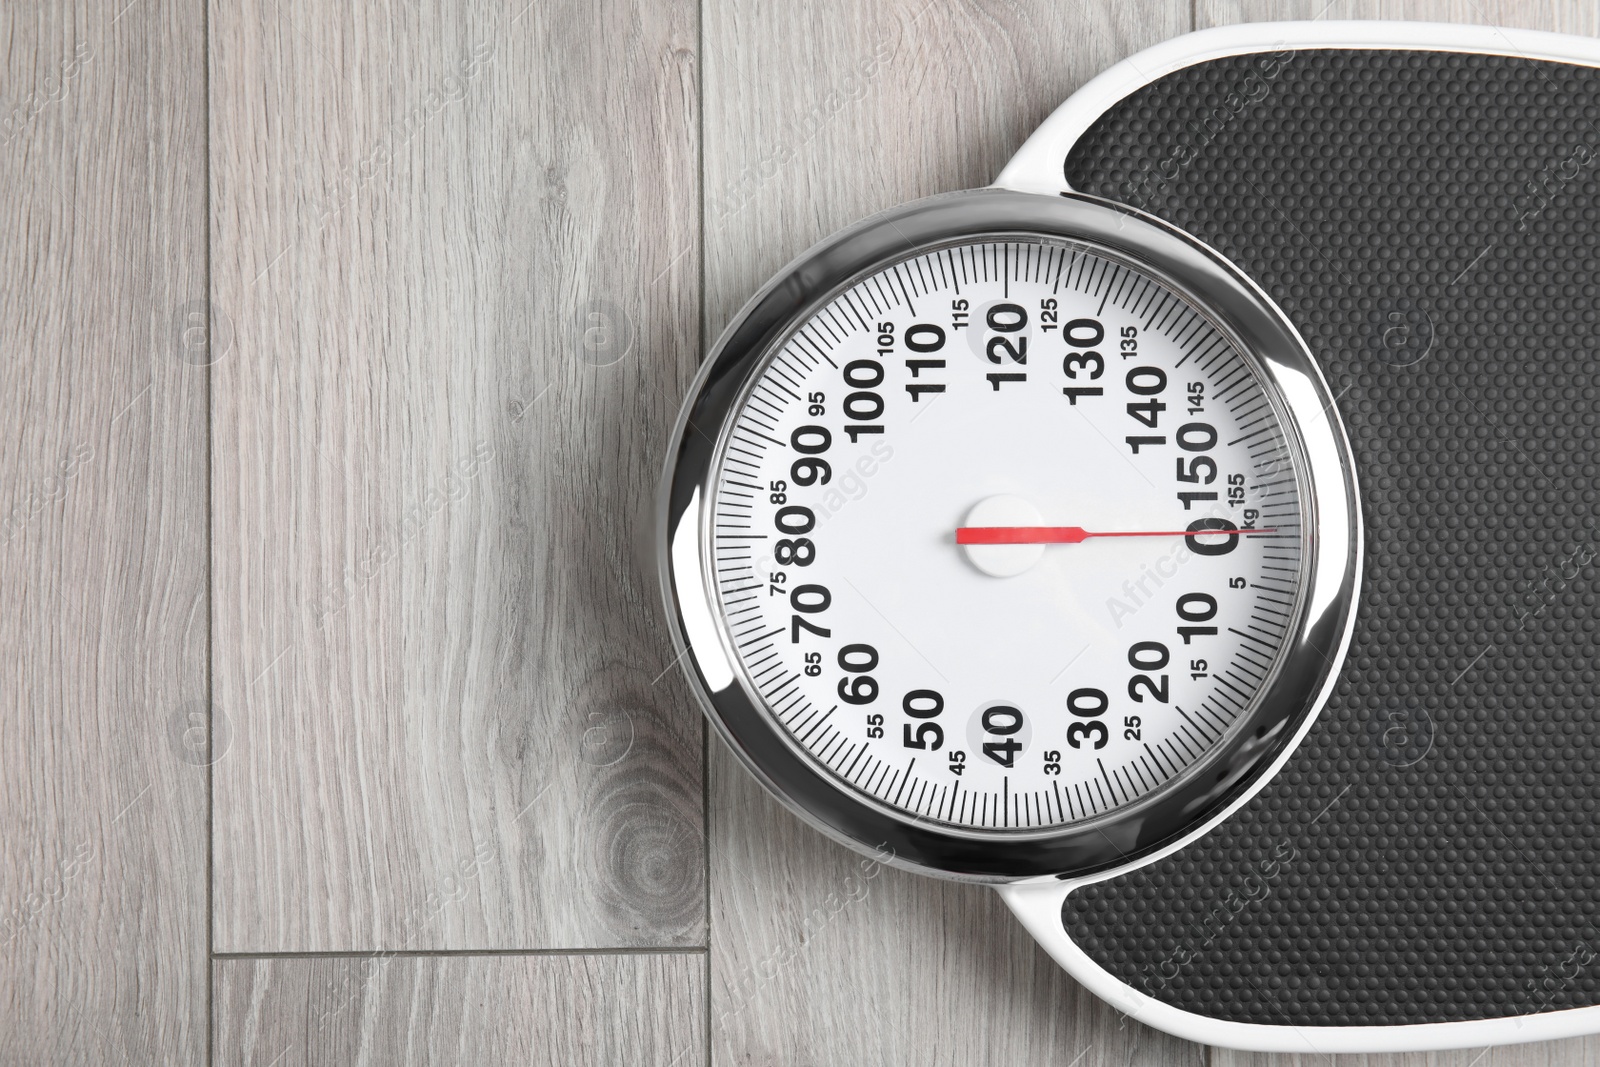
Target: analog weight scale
{"type": "Point", "coordinates": [1404, 857]}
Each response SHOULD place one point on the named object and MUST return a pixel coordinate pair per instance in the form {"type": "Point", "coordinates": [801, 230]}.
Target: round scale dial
{"type": "Point", "coordinates": [1006, 535]}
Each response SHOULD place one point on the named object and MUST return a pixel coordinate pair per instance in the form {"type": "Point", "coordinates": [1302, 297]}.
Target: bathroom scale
{"type": "Point", "coordinates": [1192, 536]}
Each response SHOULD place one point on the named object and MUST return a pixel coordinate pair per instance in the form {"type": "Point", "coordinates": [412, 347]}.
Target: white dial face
{"type": "Point", "coordinates": [974, 535]}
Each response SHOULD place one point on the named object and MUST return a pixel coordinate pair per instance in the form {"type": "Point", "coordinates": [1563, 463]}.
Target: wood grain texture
{"type": "Point", "coordinates": [458, 249]}
{"type": "Point", "coordinates": [1576, 1052]}
{"type": "Point", "coordinates": [817, 115]}
{"type": "Point", "coordinates": [565, 1011]}
{"type": "Point", "coordinates": [1562, 16]}
{"type": "Point", "coordinates": [1565, 16]}
{"type": "Point", "coordinates": [820, 955]}
{"type": "Point", "coordinates": [103, 611]}
{"type": "Point", "coordinates": [457, 259]}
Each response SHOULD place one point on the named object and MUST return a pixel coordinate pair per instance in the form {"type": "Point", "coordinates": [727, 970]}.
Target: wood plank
{"type": "Point", "coordinates": [821, 955]}
{"type": "Point", "coordinates": [816, 117]}
{"type": "Point", "coordinates": [458, 249]}
{"type": "Point", "coordinates": [103, 606]}
{"type": "Point", "coordinates": [569, 1010]}
{"type": "Point", "coordinates": [1575, 1052]}
{"type": "Point", "coordinates": [1566, 16]}
{"type": "Point", "coordinates": [1563, 16]}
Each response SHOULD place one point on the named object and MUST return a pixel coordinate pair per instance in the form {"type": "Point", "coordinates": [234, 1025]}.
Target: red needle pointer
{"type": "Point", "coordinates": [1065, 535]}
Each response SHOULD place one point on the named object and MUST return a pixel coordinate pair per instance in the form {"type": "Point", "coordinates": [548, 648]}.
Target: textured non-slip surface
{"type": "Point", "coordinates": [1431, 223]}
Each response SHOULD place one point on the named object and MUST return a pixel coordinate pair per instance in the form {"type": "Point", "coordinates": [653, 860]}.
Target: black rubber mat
{"type": "Point", "coordinates": [1431, 223]}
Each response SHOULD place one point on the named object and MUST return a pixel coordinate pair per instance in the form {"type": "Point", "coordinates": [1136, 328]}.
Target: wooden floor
{"type": "Point", "coordinates": [341, 342]}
